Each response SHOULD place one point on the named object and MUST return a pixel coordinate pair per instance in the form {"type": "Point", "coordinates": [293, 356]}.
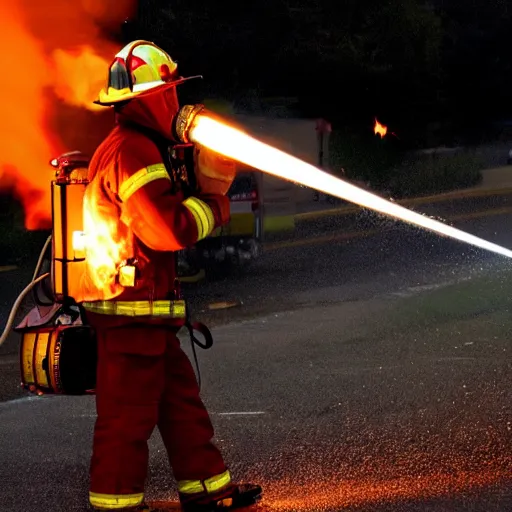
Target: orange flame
{"type": "Point", "coordinates": [107, 250]}
{"type": "Point", "coordinates": [53, 61]}
{"type": "Point", "coordinates": [380, 129]}
{"type": "Point", "coordinates": [70, 69]}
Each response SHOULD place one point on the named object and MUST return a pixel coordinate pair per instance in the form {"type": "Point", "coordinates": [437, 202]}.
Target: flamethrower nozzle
{"type": "Point", "coordinates": [184, 120]}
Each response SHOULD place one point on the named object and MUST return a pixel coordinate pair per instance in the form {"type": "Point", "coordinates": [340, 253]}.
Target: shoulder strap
{"type": "Point", "coordinates": [178, 159]}
{"type": "Point", "coordinates": [160, 142]}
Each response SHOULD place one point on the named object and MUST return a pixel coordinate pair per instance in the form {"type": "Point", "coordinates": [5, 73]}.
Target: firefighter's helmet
{"type": "Point", "coordinates": [140, 68]}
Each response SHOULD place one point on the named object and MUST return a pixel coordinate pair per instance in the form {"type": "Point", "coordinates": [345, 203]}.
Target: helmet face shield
{"type": "Point", "coordinates": [140, 68]}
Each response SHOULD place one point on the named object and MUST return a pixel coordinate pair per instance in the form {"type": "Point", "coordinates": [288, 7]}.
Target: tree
{"type": "Point", "coordinates": [349, 61]}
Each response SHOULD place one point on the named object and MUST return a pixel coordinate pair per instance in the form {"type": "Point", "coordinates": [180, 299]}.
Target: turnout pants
{"type": "Point", "coordinates": [145, 380]}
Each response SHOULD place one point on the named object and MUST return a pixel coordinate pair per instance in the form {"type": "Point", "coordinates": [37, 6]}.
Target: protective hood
{"type": "Point", "coordinates": [155, 111]}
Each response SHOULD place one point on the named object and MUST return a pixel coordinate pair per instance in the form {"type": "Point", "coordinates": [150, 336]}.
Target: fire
{"type": "Point", "coordinates": [78, 76]}
{"type": "Point", "coordinates": [105, 254]}
{"type": "Point", "coordinates": [380, 129]}
{"type": "Point", "coordinates": [239, 146]}
{"type": "Point", "coordinates": [51, 58]}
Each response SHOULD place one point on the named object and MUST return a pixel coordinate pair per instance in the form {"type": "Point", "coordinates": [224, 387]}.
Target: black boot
{"type": "Point", "coordinates": [230, 498]}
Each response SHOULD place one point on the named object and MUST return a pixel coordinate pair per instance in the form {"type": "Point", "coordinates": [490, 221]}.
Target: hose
{"type": "Point", "coordinates": [39, 263]}
{"type": "Point", "coordinates": [35, 280]}
{"type": "Point", "coordinates": [15, 307]}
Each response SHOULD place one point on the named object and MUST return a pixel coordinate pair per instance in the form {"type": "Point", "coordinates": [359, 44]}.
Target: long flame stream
{"type": "Point", "coordinates": [239, 146]}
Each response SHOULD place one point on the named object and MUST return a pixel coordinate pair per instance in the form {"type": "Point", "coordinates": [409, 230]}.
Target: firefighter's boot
{"type": "Point", "coordinates": [229, 498]}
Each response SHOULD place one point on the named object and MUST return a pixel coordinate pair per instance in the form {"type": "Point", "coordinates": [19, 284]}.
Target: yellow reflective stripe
{"type": "Point", "coordinates": [203, 216]}
{"type": "Point", "coordinates": [115, 501]}
{"type": "Point", "coordinates": [209, 485]}
{"type": "Point", "coordinates": [174, 309]}
{"type": "Point", "coordinates": [141, 178]}
{"type": "Point", "coordinates": [215, 483]}
{"type": "Point", "coordinates": [190, 486]}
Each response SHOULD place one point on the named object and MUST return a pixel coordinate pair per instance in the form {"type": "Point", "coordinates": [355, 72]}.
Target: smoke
{"type": "Point", "coordinates": [54, 58]}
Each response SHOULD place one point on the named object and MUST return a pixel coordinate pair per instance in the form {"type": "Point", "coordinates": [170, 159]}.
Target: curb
{"type": "Point", "coordinates": [414, 201]}
{"type": "Point", "coordinates": [193, 279]}
{"type": "Point", "coordinates": [8, 268]}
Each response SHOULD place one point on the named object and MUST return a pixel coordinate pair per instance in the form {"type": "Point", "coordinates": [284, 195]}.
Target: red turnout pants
{"type": "Point", "coordinates": [145, 380]}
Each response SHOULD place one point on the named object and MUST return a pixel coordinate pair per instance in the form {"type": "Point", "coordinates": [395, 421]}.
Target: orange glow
{"type": "Point", "coordinates": [326, 495]}
{"type": "Point", "coordinates": [379, 468]}
{"type": "Point", "coordinates": [233, 143]}
{"type": "Point", "coordinates": [52, 60]}
{"type": "Point", "coordinates": [78, 76]}
{"type": "Point", "coordinates": [380, 129]}
{"type": "Point", "coordinates": [106, 250]}
{"type": "Point", "coordinates": [400, 481]}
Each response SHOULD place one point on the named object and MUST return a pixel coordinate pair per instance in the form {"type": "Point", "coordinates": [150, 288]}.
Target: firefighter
{"type": "Point", "coordinates": [138, 210]}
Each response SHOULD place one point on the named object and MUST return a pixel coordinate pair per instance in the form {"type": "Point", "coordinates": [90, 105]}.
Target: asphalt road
{"type": "Point", "coordinates": [369, 374]}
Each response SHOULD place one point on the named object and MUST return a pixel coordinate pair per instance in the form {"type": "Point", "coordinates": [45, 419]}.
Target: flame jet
{"type": "Point", "coordinates": [233, 143]}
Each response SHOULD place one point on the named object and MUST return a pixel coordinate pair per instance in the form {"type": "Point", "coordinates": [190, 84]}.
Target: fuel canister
{"type": "Point", "coordinates": [68, 189]}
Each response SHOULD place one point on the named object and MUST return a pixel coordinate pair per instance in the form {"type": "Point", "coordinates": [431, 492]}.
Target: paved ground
{"type": "Point", "coordinates": [372, 374]}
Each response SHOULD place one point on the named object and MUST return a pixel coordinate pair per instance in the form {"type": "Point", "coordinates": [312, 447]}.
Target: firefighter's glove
{"type": "Point", "coordinates": [220, 208]}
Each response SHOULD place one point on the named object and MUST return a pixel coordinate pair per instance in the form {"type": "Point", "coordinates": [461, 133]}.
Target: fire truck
{"type": "Point", "coordinates": [262, 206]}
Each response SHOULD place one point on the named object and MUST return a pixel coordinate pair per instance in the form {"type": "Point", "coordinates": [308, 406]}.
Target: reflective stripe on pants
{"type": "Point", "coordinates": [210, 485]}
{"type": "Point", "coordinates": [115, 501]}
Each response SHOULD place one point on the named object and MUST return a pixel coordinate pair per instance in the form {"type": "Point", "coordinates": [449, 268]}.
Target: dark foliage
{"type": "Point", "coordinates": [411, 63]}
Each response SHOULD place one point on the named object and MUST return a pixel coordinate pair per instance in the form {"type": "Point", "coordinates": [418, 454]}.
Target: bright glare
{"type": "Point", "coordinates": [239, 146]}
{"type": "Point", "coordinates": [78, 241]}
